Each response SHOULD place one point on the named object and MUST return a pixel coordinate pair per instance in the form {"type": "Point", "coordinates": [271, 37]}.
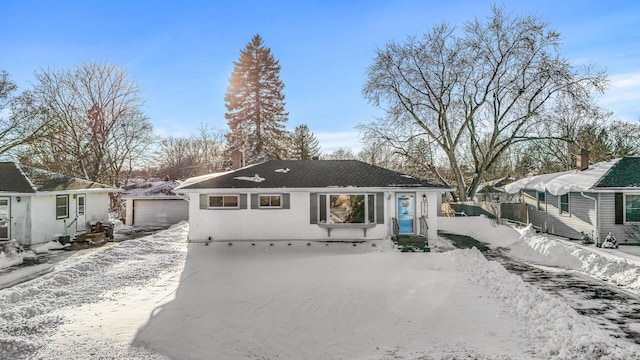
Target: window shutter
{"type": "Point", "coordinates": [254, 201]}
{"type": "Point", "coordinates": [313, 208]}
{"type": "Point", "coordinates": [286, 202]}
{"type": "Point", "coordinates": [203, 201]}
{"type": "Point", "coordinates": [619, 206]}
{"type": "Point", "coordinates": [380, 208]}
{"type": "Point", "coordinates": [323, 209]}
{"type": "Point", "coordinates": [243, 201]}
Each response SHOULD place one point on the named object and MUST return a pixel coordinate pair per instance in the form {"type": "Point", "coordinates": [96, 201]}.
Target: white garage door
{"type": "Point", "coordinates": [159, 212]}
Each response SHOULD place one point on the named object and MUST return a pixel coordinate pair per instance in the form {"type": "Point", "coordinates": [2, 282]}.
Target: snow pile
{"type": "Point", "coordinates": [606, 264]}
{"type": "Point", "coordinates": [480, 228]}
{"type": "Point", "coordinates": [555, 329]}
{"type": "Point", "coordinates": [10, 254]}
{"type": "Point", "coordinates": [154, 188]}
{"type": "Point", "coordinates": [9, 260]}
{"type": "Point", "coordinates": [547, 250]}
{"type": "Point", "coordinates": [34, 310]}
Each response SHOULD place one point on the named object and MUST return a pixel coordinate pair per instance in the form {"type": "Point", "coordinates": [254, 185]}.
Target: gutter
{"type": "Point", "coordinates": [597, 224]}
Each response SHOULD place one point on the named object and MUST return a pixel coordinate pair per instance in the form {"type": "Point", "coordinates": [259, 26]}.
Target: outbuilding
{"type": "Point", "coordinates": [152, 203]}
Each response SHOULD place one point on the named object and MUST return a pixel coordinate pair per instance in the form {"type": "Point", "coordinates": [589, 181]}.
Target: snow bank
{"type": "Point", "coordinates": [556, 330]}
{"type": "Point", "coordinates": [480, 228]}
{"type": "Point", "coordinates": [548, 250]}
{"type": "Point", "coordinates": [542, 249]}
{"type": "Point", "coordinates": [10, 254]}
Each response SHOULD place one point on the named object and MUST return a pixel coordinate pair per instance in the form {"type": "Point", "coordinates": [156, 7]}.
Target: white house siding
{"type": "Point", "coordinates": [20, 221]}
{"type": "Point", "coordinates": [581, 218]}
{"type": "Point", "coordinates": [45, 226]}
{"type": "Point", "coordinates": [624, 233]}
{"type": "Point", "coordinates": [97, 208]}
{"type": "Point", "coordinates": [288, 224]}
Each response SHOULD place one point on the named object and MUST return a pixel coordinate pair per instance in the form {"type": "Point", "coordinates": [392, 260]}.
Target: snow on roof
{"type": "Point", "coordinates": [150, 189]}
{"type": "Point", "coordinates": [201, 178]}
{"type": "Point", "coordinates": [255, 178]}
{"type": "Point", "coordinates": [561, 183]}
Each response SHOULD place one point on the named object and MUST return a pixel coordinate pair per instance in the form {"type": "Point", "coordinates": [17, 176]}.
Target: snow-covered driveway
{"type": "Point", "coordinates": [327, 302]}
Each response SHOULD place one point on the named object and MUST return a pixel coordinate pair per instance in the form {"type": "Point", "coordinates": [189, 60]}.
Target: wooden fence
{"type": "Point", "coordinates": [507, 211]}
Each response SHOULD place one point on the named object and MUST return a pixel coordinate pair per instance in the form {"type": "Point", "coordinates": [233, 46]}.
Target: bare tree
{"type": "Point", "coordinates": [19, 123]}
{"type": "Point", "coordinates": [96, 127]}
{"type": "Point", "coordinates": [477, 94]}
{"type": "Point", "coordinates": [340, 154]}
{"type": "Point", "coordinates": [575, 125]}
{"type": "Point", "coordinates": [624, 138]}
{"type": "Point", "coordinates": [179, 158]}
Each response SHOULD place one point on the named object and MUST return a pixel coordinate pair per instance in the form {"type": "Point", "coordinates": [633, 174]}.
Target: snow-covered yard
{"type": "Point", "coordinates": [158, 297]}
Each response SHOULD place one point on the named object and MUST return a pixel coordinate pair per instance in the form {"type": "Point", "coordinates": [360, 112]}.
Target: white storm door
{"type": "Point", "coordinates": [81, 223]}
{"type": "Point", "coordinates": [4, 219]}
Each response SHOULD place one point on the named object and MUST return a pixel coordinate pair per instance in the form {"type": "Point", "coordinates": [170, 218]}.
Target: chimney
{"type": "Point", "coordinates": [582, 160]}
{"type": "Point", "coordinates": [236, 160]}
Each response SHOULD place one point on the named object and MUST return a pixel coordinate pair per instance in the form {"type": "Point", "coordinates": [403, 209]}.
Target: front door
{"type": "Point", "coordinates": [4, 218]}
{"type": "Point", "coordinates": [80, 210]}
{"type": "Point", "coordinates": [406, 210]}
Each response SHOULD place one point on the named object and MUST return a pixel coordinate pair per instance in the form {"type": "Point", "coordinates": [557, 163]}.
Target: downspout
{"type": "Point", "coordinates": [597, 224]}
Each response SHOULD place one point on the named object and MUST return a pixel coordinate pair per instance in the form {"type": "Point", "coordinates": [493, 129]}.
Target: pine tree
{"type": "Point", "coordinates": [255, 105]}
{"type": "Point", "coordinates": [304, 144]}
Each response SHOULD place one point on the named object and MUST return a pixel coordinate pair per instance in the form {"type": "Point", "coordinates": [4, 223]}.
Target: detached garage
{"type": "Point", "coordinates": [153, 204]}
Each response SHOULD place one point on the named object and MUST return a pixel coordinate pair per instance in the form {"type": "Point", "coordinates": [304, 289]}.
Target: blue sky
{"type": "Point", "coordinates": [182, 52]}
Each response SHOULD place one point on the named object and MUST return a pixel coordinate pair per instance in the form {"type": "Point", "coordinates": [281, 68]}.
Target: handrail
{"type": "Point", "coordinates": [424, 227]}
{"type": "Point", "coordinates": [396, 227]}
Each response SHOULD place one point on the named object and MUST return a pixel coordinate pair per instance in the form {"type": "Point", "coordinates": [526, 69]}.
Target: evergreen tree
{"type": "Point", "coordinates": [304, 144]}
{"type": "Point", "coordinates": [255, 105]}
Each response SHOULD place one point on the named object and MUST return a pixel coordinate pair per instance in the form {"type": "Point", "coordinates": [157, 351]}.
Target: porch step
{"type": "Point", "coordinates": [411, 243]}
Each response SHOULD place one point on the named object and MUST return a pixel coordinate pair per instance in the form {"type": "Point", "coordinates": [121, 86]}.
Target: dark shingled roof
{"type": "Point", "coordinates": [313, 174]}
{"type": "Point", "coordinates": [625, 173]}
{"type": "Point", "coordinates": [26, 179]}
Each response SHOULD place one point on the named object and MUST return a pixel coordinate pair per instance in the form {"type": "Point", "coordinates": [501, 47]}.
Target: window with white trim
{"type": "Point", "coordinates": [336, 209]}
{"type": "Point", "coordinates": [347, 208]}
{"type": "Point", "coordinates": [563, 204]}
{"type": "Point", "coordinates": [270, 201]}
{"type": "Point", "coordinates": [632, 207]}
{"type": "Point", "coordinates": [62, 206]}
{"type": "Point", "coordinates": [223, 201]}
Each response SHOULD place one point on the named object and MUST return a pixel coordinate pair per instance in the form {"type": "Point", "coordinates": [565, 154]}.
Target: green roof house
{"type": "Point", "coordinates": [595, 199]}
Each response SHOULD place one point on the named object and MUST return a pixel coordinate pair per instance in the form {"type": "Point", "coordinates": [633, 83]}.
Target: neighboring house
{"type": "Point", "coordinates": [38, 205]}
{"type": "Point", "coordinates": [310, 200]}
{"type": "Point", "coordinates": [152, 203]}
{"type": "Point", "coordinates": [596, 200]}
